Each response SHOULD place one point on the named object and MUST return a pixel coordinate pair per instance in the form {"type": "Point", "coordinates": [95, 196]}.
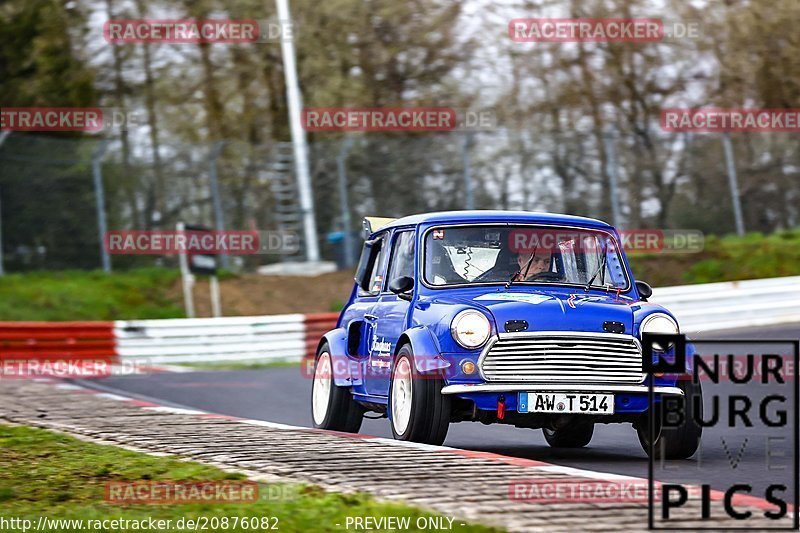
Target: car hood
{"type": "Point", "coordinates": [555, 310]}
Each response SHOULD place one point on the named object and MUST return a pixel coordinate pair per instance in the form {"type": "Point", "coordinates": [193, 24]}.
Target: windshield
{"type": "Point", "coordinates": [522, 254]}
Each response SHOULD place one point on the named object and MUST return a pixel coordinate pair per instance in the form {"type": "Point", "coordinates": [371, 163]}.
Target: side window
{"type": "Point", "coordinates": [374, 277]}
{"type": "Point", "coordinates": [402, 256]}
{"type": "Point", "coordinates": [365, 265]}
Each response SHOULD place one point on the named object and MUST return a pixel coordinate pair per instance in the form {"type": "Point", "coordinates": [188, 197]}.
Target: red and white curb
{"type": "Point", "coordinates": [715, 495]}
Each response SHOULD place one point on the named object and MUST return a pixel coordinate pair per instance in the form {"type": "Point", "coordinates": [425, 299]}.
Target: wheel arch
{"type": "Point", "coordinates": [345, 373]}
{"type": "Point", "coordinates": [427, 357]}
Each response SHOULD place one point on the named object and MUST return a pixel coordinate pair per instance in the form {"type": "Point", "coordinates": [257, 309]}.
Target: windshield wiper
{"type": "Point", "coordinates": [600, 270]}
{"type": "Point", "coordinates": [519, 270]}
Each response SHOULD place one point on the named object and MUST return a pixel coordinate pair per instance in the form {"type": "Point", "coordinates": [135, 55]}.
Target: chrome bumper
{"type": "Point", "coordinates": [557, 387]}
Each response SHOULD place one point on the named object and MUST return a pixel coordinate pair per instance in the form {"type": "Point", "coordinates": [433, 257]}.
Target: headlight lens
{"type": "Point", "coordinates": [470, 329]}
{"type": "Point", "coordinates": [659, 323]}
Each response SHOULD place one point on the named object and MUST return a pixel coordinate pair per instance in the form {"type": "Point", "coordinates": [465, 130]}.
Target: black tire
{"type": "Point", "coordinates": [429, 417]}
{"type": "Point", "coordinates": [576, 435]}
{"type": "Point", "coordinates": [342, 412]}
{"type": "Point", "coordinates": [676, 441]}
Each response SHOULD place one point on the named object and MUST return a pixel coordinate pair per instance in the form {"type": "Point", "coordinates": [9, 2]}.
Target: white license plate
{"type": "Point", "coordinates": [569, 402]}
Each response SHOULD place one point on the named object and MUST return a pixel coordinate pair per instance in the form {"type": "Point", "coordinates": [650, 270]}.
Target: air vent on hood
{"type": "Point", "coordinates": [513, 326]}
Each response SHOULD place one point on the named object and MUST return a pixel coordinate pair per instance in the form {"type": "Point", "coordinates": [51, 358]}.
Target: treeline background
{"type": "Point", "coordinates": [555, 105]}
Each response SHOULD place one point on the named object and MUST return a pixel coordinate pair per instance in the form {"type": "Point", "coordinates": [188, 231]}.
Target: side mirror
{"type": "Point", "coordinates": [402, 287]}
{"type": "Point", "coordinates": [644, 289]}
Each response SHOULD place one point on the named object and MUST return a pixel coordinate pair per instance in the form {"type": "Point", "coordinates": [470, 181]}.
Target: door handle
{"type": "Point", "coordinates": [370, 317]}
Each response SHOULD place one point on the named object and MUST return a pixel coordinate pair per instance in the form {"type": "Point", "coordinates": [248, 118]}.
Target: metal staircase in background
{"type": "Point", "coordinates": [286, 202]}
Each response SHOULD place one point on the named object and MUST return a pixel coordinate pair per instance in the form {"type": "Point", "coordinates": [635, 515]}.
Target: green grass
{"type": "Point", "coordinates": [728, 258]}
{"type": "Point", "coordinates": [750, 257]}
{"type": "Point", "coordinates": [44, 473]}
{"type": "Point", "coordinates": [337, 305]}
{"type": "Point", "coordinates": [94, 295]}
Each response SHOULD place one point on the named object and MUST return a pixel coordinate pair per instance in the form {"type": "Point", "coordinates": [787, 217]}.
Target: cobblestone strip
{"type": "Point", "coordinates": [470, 486]}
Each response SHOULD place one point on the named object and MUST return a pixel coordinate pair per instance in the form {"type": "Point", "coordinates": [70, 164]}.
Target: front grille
{"type": "Point", "coordinates": [558, 357]}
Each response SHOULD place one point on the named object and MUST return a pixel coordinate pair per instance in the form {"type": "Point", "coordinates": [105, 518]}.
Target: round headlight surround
{"type": "Point", "coordinates": [653, 319]}
{"type": "Point", "coordinates": [460, 329]}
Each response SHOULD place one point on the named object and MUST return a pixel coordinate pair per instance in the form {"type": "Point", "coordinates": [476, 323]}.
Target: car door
{"type": "Point", "coordinates": [391, 315]}
{"type": "Point", "coordinates": [359, 319]}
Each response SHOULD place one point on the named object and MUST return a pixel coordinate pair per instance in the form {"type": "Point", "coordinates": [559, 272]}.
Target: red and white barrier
{"type": "Point", "coordinates": [51, 341]}
{"type": "Point", "coordinates": [169, 341]}
{"type": "Point", "coordinates": [192, 340]}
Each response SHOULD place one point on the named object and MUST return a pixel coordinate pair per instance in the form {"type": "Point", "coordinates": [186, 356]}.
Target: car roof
{"type": "Point", "coordinates": [529, 217]}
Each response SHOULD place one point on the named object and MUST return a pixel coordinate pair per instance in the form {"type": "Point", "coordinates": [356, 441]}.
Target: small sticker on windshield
{"type": "Point", "coordinates": [515, 297]}
{"type": "Point", "coordinates": [438, 234]}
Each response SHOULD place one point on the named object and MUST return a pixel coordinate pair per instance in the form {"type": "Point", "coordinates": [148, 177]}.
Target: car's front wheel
{"type": "Point", "coordinates": [332, 407]}
{"type": "Point", "coordinates": [576, 435]}
{"type": "Point", "coordinates": [419, 411]}
{"type": "Point", "coordinates": [678, 440]}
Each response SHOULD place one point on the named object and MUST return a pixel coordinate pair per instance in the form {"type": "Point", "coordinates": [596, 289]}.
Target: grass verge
{"type": "Point", "coordinates": [94, 295]}
{"type": "Point", "coordinates": [730, 258]}
{"type": "Point", "coordinates": [57, 476]}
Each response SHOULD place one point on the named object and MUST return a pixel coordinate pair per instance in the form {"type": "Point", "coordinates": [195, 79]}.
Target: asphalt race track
{"type": "Point", "coordinates": [283, 395]}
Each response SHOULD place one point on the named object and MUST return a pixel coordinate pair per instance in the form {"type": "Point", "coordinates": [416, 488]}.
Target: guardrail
{"type": "Point", "coordinates": [713, 306]}
{"type": "Point", "coordinates": [169, 341]}
{"type": "Point", "coordinates": [732, 304]}
{"type": "Point", "coordinates": [252, 338]}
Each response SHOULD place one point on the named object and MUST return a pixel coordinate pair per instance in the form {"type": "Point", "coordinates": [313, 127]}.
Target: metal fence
{"type": "Point", "coordinates": [56, 191]}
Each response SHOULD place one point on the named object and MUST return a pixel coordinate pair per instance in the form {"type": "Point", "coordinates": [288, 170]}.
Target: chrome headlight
{"type": "Point", "coordinates": [659, 323]}
{"type": "Point", "coordinates": [470, 329]}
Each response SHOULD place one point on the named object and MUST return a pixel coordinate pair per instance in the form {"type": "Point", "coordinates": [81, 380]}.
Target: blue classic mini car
{"type": "Point", "coordinates": [517, 318]}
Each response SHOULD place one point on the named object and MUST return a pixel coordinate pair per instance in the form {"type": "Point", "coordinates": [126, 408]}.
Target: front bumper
{"type": "Point", "coordinates": [468, 388]}
{"type": "Point", "coordinates": [628, 398]}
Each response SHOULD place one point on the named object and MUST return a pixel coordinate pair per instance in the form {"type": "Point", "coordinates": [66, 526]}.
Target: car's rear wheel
{"type": "Point", "coordinates": [419, 411]}
{"type": "Point", "coordinates": [575, 435]}
{"type": "Point", "coordinates": [676, 441]}
{"type": "Point", "coordinates": [332, 407]}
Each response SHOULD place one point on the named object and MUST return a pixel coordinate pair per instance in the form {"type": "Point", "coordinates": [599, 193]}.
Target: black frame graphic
{"type": "Point", "coordinates": [671, 367]}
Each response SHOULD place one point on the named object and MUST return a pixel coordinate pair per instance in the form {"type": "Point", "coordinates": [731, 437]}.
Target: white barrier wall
{"type": "Point", "coordinates": [732, 304]}
{"type": "Point", "coordinates": [193, 340]}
